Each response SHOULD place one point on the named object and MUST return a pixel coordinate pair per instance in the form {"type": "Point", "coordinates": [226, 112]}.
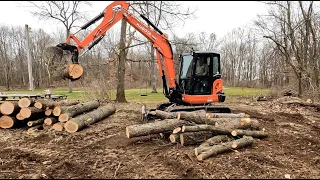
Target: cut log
{"type": "Point", "coordinates": [48, 112]}
{"type": "Point", "coordinates": [153, 127]}
{"type": "Point", "coordinates": [7, 122]}
{"type": "Point", "coordinates": [175, 138]}
{"type": "Point", "coordinates": [19, 117]}
{"type": "Point", "coordinates": [68, 102]}
{"type": "Point", "coordinates": [206, 145]}
{"type": "Point", "coordinates": [35, 128]}
{"type": "Point", "coordinates": [50, 120]}
{"type": "Point", "coordinates": [72, 111]}
{"type": "Point", "coordinates": [36, 122]}
{"type": "Point", "coordinates": [227, 115]}
{"type": "Point", "coordinates": [255, 134]}
{"type": "Point", "coordinates": [58, 126]}
{"type": "Point", "coordinates": [57, 110]}
{"type": "Point", "coordinates": [26, 102]}
{"type": "Point", "coordinates": [81, 121]}
{"type": "Point", "coordinates": [225, 147]}
{"type": "Point", "coordinates": [176, 130]}
{"type": "Point", "coordinates": [234, 123]}
{"type": "Point", "coordinates": [204, 127]}
{"type": "Point", "coordinates": [31, 112]}
{"type": "Point", "coordinates": [45, 104]}
{"type": "Point", "coordinates": [9, 108]}
{"type": "Point", "coordinates": [46, 127]}
{"type": "Point", "coordinates": [192, 138]}
{"type": "Point", "coordinates": [72, 72]}
{"type": "Point", "coordinates": [198, 117]}
{"type": "Point", "coordinates": [50, 104]}
{"type": "Point", "coordinates": [164, 115]}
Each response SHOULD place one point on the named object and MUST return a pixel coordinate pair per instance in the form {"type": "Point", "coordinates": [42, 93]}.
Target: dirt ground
{"type": "Point", "coordinates": [103, 151]}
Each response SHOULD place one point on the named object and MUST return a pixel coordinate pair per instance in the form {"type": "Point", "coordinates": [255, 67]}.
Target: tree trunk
{"type": "Point", "coordinates": [153, 127]}
{"type": "Point", "coordinates": [206, 145]}
{"type": "Point", "coordinates": [154, 80]}
{"type": "Point", "coordinates": [78, 123]}
{"type": "Point", "coordinates": [120, 97]}
{"type": "Point", "coordinates": [9, 107]}
{"type": "Point", "coordinates": [192, 138]}
{"type": "Point", "coordinates": [36, 122]}
{"type": "Point", "coordinates": [226, 115]}
{"type": "Point", "coordinates": [71, 111]}
{"type": "Point", "coordinates": [48, 112]}
{"type": "Point", "coordinates": [225, 147]}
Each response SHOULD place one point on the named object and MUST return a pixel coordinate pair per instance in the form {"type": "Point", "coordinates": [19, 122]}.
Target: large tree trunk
{"type": "Point", "coordinates": [234, 123]}
{"type": "Point", "coordinates": [225, 147]}
{"type": "Point", "coordinates": [7, 122]}
{"type": "Point", "coordinates": [58, 126]}
{"type": "Point", "coordinates": [71, 111]}
{"type": "Point", "coordinates": [78, 123]}
{"type": "Point", "coordinates": [153, 127]}
{"type": "Point", "coordinates": [164, 115]}
{"type": "Point", "coordinates": [120, 97]}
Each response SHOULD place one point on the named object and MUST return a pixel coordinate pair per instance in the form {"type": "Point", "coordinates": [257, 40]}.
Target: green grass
{"type": "Point", "coordinates": [134, 95]}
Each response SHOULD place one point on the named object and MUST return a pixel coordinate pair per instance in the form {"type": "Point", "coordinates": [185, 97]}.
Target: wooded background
{"type": "Point", "coordinates": [277, 50]}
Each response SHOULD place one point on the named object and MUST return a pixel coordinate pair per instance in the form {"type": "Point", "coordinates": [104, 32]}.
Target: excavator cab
{"type": "Point", "coordinates": [198, 71]}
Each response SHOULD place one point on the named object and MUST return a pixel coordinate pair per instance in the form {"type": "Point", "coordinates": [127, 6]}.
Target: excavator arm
{"type": "Point", "coordinates": [111, 15]}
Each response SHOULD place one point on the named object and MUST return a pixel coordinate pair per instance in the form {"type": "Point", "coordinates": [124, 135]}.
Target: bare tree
{"type": "Point", "coordinates": [165, 15]}
{"type": "Point", "coordinates": [66, 12]}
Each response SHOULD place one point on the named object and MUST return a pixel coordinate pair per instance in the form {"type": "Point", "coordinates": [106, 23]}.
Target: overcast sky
{"type": "Point", "coordinates": [212, 16]}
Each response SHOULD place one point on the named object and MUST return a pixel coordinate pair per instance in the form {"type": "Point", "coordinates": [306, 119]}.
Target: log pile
{"type": "Point", "coordinates": [209, 133]}
{"type": "Point", "coordinates": [68, 115]}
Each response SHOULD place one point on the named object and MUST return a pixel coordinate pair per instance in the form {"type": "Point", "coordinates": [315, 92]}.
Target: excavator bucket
{"type": "Point", "coordinates": [60, 65]}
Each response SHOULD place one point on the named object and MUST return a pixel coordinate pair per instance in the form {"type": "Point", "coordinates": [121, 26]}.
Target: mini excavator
{"type": "Point", "coordinates": [190, 91]}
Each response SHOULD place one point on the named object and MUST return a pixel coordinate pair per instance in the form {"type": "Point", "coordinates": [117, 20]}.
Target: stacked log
{"type": "Point", "coordinates": [45, 114]}
{"type": "Point", "coordinates": [210, 133]}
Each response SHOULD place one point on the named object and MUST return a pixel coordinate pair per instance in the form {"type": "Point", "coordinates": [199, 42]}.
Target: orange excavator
{"type": "Point", "coordinates": [198, 85]}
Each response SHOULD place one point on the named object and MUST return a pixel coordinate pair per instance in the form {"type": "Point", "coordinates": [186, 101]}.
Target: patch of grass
{"type": "Point", "coordinates": [134, 95]}
{"type": "Point", "coordinates": [246, 92]}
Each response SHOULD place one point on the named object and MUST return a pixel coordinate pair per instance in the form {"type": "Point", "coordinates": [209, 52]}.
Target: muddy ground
{"type": "Point", "coordinates": [103, 151]}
